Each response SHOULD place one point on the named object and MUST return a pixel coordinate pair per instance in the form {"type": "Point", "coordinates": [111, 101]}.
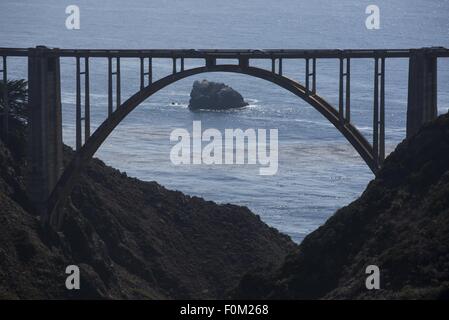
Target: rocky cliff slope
{"type": "Point", "coordinates": [131, 239]}
{"type": "Point", "coordinates": [400, 224]}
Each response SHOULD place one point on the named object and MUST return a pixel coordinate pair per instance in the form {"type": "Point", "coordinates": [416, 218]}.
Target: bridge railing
{"type": "Point", "coordinates": [233, 53]}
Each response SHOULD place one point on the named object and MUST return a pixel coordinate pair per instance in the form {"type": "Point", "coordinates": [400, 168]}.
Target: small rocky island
{"type": "Point", "coordinates": [208, 95]}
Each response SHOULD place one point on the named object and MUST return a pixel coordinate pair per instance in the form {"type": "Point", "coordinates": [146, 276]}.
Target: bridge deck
{"type": "Point", "coordinates": [234, 53]}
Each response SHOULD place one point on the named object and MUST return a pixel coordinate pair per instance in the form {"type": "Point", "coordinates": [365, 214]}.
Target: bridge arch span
{"type": "Point", "coordinates": [69, 177]}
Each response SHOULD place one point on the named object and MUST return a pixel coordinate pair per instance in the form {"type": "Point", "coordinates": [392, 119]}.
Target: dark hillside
{"type": "Point", "coordinates": [131, 239]}
{"type": "Point", "coordinates": [400, 224]}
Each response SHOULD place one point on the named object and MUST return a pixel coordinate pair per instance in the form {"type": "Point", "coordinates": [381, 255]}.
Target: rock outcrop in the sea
{"type": "Point", "coordinates": [400, 224]}
{"type": "Point", "coordinates": [131, 239]}
{"type": "Point", "coordinates": [214, 96]}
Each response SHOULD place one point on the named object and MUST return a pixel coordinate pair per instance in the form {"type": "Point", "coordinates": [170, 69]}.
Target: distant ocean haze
{"type": "Point", "coordinates": [319, 171]}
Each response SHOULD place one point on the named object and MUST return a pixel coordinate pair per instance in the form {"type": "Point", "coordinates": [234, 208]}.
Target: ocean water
{"type": "Point", "coordinates": [319, 171]}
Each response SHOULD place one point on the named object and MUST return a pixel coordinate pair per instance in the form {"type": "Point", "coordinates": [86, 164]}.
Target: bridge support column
{"type": "Point", "coordinates": [243, 62]}
{"type": "Point", "coordinates": [45, 140]}
{"type": "Point", "coordinates": [422, 90]}
{"type": "Point", "coordinates": [210, 62]}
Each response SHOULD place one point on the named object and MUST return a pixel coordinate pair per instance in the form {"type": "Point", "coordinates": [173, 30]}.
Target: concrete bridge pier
{"type": "Point", "coordinates": [45, 133]}
{"type": "Point", "coordinates": [422, 90]}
